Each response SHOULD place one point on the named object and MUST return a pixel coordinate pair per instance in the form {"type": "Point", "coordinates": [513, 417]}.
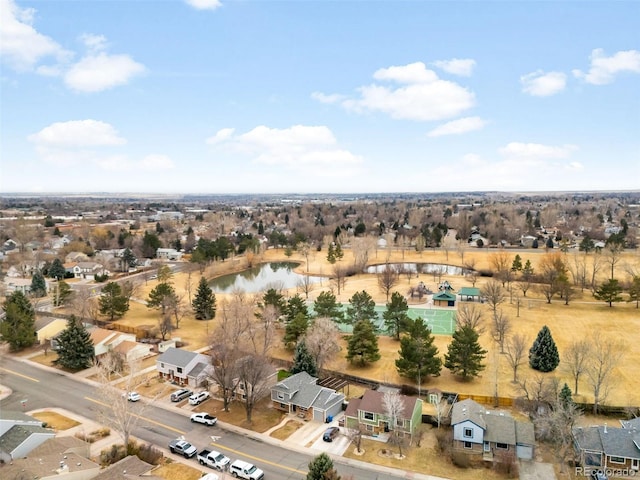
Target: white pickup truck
{"type": "Point", "coordinates": [213, 459]}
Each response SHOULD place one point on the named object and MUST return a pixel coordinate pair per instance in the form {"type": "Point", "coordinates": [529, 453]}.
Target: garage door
{"type": "Point", "coordinates": [524, 452]}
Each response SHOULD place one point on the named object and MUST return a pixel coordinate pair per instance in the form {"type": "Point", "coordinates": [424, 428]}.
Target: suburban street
{"type": "Point", "coordinates": [35, 388]}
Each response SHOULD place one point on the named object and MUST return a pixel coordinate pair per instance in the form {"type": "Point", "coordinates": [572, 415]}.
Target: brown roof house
{"type": "Point", "coordinates": [370, 413]}
{"type": "Point", "coordinates": [477, 430]}
{"type": "Point", "coordinates": [129, 468]}
{"type": "Point", "coordinates": [56, 459]}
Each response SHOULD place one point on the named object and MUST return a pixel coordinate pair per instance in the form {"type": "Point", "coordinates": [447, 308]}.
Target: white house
{"type": "Point", "coordinates": [168, 254]}
{"type": "Point", "coordinates": [124, 343]}
{"type": "Point", "coordinates": [19, 434]}
{"type": "Point", "coordinates": [89, 270]}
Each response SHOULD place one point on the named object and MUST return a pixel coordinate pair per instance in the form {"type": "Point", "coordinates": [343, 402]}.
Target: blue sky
{"type": "Point", "coordinates": [206, 96]}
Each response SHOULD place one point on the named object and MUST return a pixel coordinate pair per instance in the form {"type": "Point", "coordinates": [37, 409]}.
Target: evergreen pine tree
{"type": "Point", "coordinates": [295, 329]}
{"type": "Point", "coordinates": [331, 254]}
{"type": "Point", "coordinates": [75, 348]}
{"type": "Point", "coordinates": [361, 307]}
{"type": "Point", "coordinates": [543, 354]}
{"type": "Point", "coordinates": [339, 252]}
{"type": "Point", "coordinates": [18, 327]}
{"type": "Point", "coordinates": [363, 343]}
{"type": "Point", "coordinates": [565, 397]}
{"type": "Point", "coordinates": [327, 306]}
{"type": "Point", "coordinates": [303, 361]}
{"type": "Point", "coordinates": [38, 285]}
{"type": "Point", "coordinates": [609, 292]}
{"type": "Point", "coordinates": [57, 270]}
{"type": "Point", "coordinates": [321, 468]}
{"type": "Point", "coordinates": [204, 302]}
{"type": "Point", "coordinates": [395, 316]}
{"type": "Point", "coordinates": [112, 302]}
{"type": "Point", "coordinates": [418, 355]}
{"type": "Point", "coordinates": [464, 356]}
{"type": "Point", "coordinates": [294, 307]}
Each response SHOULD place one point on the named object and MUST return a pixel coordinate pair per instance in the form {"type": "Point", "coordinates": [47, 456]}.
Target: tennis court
{"type": "Point", "coordinates": [441, 322]}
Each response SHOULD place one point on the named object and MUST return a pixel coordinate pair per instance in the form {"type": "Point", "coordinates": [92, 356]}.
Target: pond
{"type": "Point", "coordinates": [430, 268]}
{"type": "Point", "coordinates": [278, 275]}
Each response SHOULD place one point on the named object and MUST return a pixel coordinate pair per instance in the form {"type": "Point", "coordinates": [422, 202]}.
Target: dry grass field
{"type": "Point", "coordinates": [177, 471]}
{"type": "Point", "coordinates": [583, 318]}
{"type": "Point", "coordinates": [55, 420]}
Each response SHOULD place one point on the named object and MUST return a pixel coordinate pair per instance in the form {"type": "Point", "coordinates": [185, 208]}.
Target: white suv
{"type": "Point", "coordinates": [240, 469]}
{"type": "Point", "coordinates": [198, 398]}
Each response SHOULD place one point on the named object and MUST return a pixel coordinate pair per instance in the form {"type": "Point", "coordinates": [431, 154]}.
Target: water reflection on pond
{"type": "Point", "coordinates": [279, 275]}
{"type": "Point", "coordinates": [430, 268]}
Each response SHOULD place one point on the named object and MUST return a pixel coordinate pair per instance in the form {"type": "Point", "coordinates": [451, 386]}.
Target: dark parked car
{"type": "Point", "coordinates": [330, 433]}
{"type": "Point", "coordinates": [598, 475]}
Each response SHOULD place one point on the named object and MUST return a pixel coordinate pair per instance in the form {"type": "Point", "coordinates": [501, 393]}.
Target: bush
{"type": "Point", "coordinates": [112, 455]}
{"type": "Point", "coordinates": [460, 459]}
{"type": "Point", "coordinates": [505, 464]}
{"type": "Point", "coordinates": [444, 440]}
{"type": "Point", "coordinates": [150, 454]}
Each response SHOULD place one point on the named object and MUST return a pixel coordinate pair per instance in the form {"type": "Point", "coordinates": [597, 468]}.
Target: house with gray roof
{"type": "Point", "coordinates": [477, 430]}
{"type": "Point", "coordinates": [301, 395]}
{"type": "Point", "coordinates": [184, 367]}
{"type": "Point", "coordinates": [19, 434]}
{"type": "Point", "coordinates": [602, 447]}
{"type": "Point", "coordinates": [633, 423]}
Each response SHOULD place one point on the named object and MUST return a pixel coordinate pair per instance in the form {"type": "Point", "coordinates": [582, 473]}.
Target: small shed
{"type": "Point", "coordinates": [469, 294]}
{"type": "Point", "coordinates": [444, 299]}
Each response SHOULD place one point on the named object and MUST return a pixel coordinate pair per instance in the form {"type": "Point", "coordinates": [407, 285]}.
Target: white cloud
{"type": "Point", "coordinates": [156, 162]}
{"type": "Point", "coordinates": [457, 66]}
{"type": "Point", "coordinates": [100, 71]}
{"type": "Point", "coordinates": [536, 150]}
{"type": "Point", "coordinates": [20, 44]}
{"type": "Point", "coordinates": [422, 96]}
{"type": "Point", "coordinates": [603, 69]}
{"type": "Point", "coordinates": [221, 136]}
{"type": "Point", "coordinates": [94, 43]}
{"type": "Point", "coordinates": [456, 127]}
{"type": "Point", "coordinates": [541, 84]}
{"type": "Point", "coordinates": [311, 148]}
{"type": "Point", "coordinates": [324, 98]}
{"type": "Point", "coordinates": [204, 4]}
{"type": "Point", "coordinates": [77, 133]}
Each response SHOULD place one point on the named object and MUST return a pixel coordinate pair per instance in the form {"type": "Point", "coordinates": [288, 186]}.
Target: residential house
{"type": "Point", "coordinates": [75, 257]}
{"type": "Point", "coordinates": [48, 328]}
{"type": "Point", "coordinates": [89, 270]}
{"type": "Point", "coordinates": [240, 392]}
{"type": "Point", "coordinates": [631, 424]}
{"type": "Point", "coordinates": [60, 458]}
{"type": "Point", "coordinates": [184, 367]}
{"type": "Point", "coordinates": [168, 254]}
{"type": "Point", "coordinates": [444, 299]}
{"type": "Point", "coordinates": [124, 343]}
{"type": "Point", "coordinates": [602, 447]}
{"type": "Point", "coordinates": [477, 430]}
{"type": "Point", "coordinates": [20, 434]}
{"type": "Point", "coordinates": [300, 394]}
{"type": "Point", "coordinates": [129, 468]}
{"type": "Point", "coordinates": [369, 412]}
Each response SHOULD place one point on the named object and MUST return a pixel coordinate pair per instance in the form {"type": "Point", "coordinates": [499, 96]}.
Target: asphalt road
{"type": "Point", "coordinates": [35, 388]}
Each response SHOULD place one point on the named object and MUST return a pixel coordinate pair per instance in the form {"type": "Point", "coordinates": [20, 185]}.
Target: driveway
{"type": "Point", "coordinates": [536, 471]}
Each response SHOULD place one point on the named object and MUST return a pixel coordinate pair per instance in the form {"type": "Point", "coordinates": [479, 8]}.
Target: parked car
{"type": "Point", "coordinates": [205, 418]}
{"type": "Point", "coordinates": [210, 476]}
{"type": "Point", "coordinates": [198, 398]}
{"type": "Point", "coordinates": [598, 475]}
{"type": "Point", "coordinates": [213, 459]}
{"type": "Point", "coordinates": [182, 447]}
{"type": "Point", "coordinates": [330, 433]}
{"type": "Point", "coordinates": [133, 396]}
{"type": "Point", "coordinates": [181, 394]}
{"type": "Point", "coordinates": [246, 470]}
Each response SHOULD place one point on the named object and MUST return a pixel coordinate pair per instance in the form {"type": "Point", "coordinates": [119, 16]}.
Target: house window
{"type": "Point", "coordinates": [367, 415]}
{"type": "Point", "coordinates": [399, 422]}
{"type": "Point", "coordinates": [433, 398]}
{"type": "Point", "coordinates": [282, 405]}
{"type": "Point", "coordinates": [161, 365]}
{"type": "Point", "coordinates": [369, 428]}
{"type": "Point", "coordinates": [467, 445]}
{"type": "Point", "coordinates": [468, 432]}
{"type": "Point", "coordinates": [502, 446]}
{"type": "Point", "coordinates": [617, 460]}
{"type": "Point", "coordinates": [280, 396]}
{"type": "Point", "coordinates": [179, 369]}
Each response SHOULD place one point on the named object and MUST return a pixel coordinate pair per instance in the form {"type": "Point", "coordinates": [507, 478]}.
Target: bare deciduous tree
{"type": "Point", "coordinates": [556, 428]}
{"type": "Point", "coordinates": [539, 390]}
{"type": "Point", "coordinates": [339, 277]}
{"type": "Point", "coordinates": [165, 327]}
{"type": "Point", "coordinates": [515, 349]}
{"type": "Point", "coordinates": [388, 279]}
{"type": "Point", "coordinates": [575, 361]}
{"type": "Point", "coordinates": [493, 293]}
{"type": "Point", "coordinates": [305, 286]}
{"type": "Point", "coordinates": [253, 373]}
{"type": "Point", "coordinates": [501, 262]}
{"type": "Point", "coordinates": [470, 315]}
{"type": "Point", "coordinates": [500, 328]}
{"type": "Point", "coordinates": [393, 405]}
{"type": "Point", "coordinates": [322, 340]}
{"type": "Point", "coordinates": [604, 358]}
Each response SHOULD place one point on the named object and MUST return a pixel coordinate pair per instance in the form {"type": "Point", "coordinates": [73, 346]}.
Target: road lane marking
{"type": "Point", "coordinates": [180, 432]}
{"type": "Point", "coordinates": [217, 446]}
{"type": "Point", "coordinates": [20, 375]}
